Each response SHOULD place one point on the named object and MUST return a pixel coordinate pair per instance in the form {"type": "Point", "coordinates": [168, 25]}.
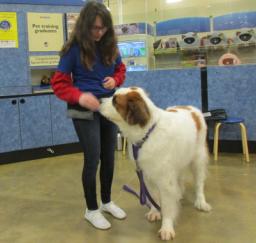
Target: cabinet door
{"type": "Point", "coordinates": [9, 125]}
{"type": "Point", "coordinates": [62, 127]}
{"type": "Point", "coordinates": [35, 121]}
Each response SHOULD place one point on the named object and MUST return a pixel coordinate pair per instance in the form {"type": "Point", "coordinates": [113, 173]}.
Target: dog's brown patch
{"type": "Point", "coordinates": [183, 107]}
{"type": "Point", "coordinates": [132, 108]}
{"type": "Point", "coordinates": [197, 121]}
{"type": "Point", "coordinates": [172, 110]}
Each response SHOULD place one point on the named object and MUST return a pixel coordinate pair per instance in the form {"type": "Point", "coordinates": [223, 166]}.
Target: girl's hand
{"type": "Point", "coordinates": [109, 83]}
{"type": "Point", "coordinates": [89, 101]}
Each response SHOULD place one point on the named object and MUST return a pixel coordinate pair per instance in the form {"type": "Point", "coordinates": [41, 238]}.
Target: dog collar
{"type": "Point", "coordinates": [137, 146]}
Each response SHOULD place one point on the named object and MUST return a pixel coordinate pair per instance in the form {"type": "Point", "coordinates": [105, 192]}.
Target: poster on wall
{"type": "Point", "coordinates": [8, 30]}
{"type": "Point", "coordinates": [128, 29]}
{"type": "Point", "coordinates": [45, 31]}
{"type": "Point", "coordinates": [70, 22]}
{"type": "Point", "coordinates": [133, 28]}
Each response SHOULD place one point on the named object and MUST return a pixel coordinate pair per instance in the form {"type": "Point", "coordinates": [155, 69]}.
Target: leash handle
{"type": "Point", "coordinates": [128, 189]}
{"type": "Point", "coordinates": [144, 193]}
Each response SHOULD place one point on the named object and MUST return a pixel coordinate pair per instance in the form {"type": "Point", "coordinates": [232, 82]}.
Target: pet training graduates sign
{"type": "Point", "coordinates": [45, 31]}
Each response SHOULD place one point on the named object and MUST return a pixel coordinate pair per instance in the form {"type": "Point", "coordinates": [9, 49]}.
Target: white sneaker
{"type": "Point", "coordinates": [113, 209]}
{"type": "Point", "coordinates": [96, 218]}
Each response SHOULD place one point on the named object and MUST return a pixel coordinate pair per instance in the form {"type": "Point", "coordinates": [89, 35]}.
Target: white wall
{"type": "Point", "coordinates": [128, 11]}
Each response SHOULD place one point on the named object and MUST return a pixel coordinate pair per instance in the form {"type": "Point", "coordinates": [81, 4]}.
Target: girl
{"type": "Point", "coordinates": [90, 68]}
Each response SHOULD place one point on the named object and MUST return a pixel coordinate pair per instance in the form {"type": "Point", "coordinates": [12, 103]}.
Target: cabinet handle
{"type": "Point", "coordinates": [14, 102]}
{"type": "Point", "coordinates": [22, 101]}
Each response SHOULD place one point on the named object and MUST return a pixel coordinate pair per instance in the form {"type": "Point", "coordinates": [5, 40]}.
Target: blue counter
{"type": "Point", "coordinates": [233, 88]}
{"type": "Point", "coordinates": [169, 87]}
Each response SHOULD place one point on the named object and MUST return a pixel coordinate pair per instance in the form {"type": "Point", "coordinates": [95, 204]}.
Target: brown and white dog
{"type": "Point", "coordinates": [178, 141]}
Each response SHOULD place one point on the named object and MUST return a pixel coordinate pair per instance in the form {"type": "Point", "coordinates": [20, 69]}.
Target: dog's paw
{"type": "Point", "coordinates": [166, 234]}
{"type": "Point", "coordinates": [153, 215]}
{"type": "Point", "coordinates": [203, 206]}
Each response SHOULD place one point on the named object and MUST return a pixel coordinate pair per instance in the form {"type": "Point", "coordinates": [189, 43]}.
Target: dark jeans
{"type": "Point", "coordinates": [98, 140]}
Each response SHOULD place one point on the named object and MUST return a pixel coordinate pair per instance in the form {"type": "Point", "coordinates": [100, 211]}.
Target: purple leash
{"type": "Point", "coordinates": [144, 193]}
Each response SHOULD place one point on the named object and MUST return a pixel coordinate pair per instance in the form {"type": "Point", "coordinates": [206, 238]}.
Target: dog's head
{"type": "Point", "coordinates": [128, 105]}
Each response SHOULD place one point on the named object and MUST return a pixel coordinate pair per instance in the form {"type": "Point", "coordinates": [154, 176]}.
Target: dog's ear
{"type": "Point", "coordinates": [137, 110]}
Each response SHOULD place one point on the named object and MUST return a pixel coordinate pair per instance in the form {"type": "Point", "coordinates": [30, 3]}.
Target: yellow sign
{"type": "Point", "coordinates": [8, 30]}
{"type": "Point", "coordinates": [35, 61]}
{"type": "Point", "coordinates": [45, 31]}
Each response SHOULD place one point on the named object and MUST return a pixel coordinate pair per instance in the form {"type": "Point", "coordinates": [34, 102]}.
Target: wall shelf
{"type": "Point", "coordinates": [42, 67]}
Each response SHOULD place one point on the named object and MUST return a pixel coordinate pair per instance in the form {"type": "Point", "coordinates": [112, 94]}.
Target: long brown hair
{"type": "Point", "coordinates": [81, 35]}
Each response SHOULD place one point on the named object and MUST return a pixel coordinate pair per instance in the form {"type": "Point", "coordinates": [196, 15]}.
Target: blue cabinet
{"type": "Point", "coordinates": [35, 121]}
{"type": "Point", "coordinates": [25, 123]}
{"type": "Point", "coordinates": [10, 139]}
{"type": "Point", "coordinates": [62, 127]}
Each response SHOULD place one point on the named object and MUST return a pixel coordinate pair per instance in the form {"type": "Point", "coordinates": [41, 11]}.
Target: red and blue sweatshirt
{"type": "Point", "coordinates": [72, 79]}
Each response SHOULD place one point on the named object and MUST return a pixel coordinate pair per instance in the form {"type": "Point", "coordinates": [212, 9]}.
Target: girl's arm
{"type": "Point", "coordinates": [119, 74]}
{"type": "Point", "coordinates": [63, 88]}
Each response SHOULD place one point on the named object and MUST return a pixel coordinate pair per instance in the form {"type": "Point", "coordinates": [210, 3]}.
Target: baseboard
{"type": "Point", "coordinates": [231, 146]}
{"type": "Point", "coordinates": [39, 153]}
{"type": "Point", "coordinates": [228, 146]}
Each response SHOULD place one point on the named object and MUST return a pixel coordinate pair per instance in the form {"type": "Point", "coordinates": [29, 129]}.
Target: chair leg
{"type": "Point", "coordinates": [243, 138]}
{"type": "Point", "coordinates": [244, 142]}
{"type": "Point", "coordinates": [216, 140]}
{"type": "Point", "coordinates": [124, 146]}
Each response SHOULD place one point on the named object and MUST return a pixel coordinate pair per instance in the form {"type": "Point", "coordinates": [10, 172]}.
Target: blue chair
{"type": "Point", "coordinates": [231, 120]}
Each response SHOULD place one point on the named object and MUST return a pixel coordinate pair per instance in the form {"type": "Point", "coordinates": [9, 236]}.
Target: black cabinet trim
{"type": "Point", "coordinates": [39, 153]}
{"type": "Point", "coordinates": [228, 146]}
{"type": "Point", "coordinates": [25, 95]}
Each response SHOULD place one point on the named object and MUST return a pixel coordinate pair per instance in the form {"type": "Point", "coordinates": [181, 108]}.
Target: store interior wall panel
{"type": "Point", "coordinates": [169, 87]}
{"type": "Point", "coordinates": [14, 64]}
{"type": "Point", "coordinates": [233, 88]}
{"type": "Point", "coordinates": [13, 61]}
{"type": "Point", "coordinates": [15, 90]}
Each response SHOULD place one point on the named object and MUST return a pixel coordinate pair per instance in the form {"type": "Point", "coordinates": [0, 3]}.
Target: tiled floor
{"type": "Point", "coordinates": [41, 201]}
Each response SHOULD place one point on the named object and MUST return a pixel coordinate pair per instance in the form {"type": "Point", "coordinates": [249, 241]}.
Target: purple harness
{"type": "Point", "coordinates": [136, 147]}
{"type": "Point", "coordinates": [144, 193]}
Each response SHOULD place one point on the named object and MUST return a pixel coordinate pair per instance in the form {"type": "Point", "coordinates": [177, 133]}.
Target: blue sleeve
{"type": "Point", "coordinates": [67, 61]}
{"type": "Point", "coordinates": [118, 59]}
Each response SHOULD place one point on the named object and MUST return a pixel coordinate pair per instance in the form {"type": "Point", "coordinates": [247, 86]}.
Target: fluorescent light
{"type": "Point", "coordinates": [173, 1]}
